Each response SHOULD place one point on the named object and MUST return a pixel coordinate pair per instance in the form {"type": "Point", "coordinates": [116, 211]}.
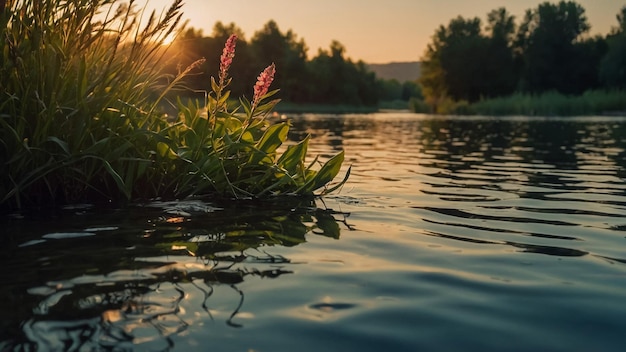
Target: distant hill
{"type": "Point", "coordinates": [402, 71]}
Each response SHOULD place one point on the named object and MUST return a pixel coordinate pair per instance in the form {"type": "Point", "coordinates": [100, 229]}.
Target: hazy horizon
{"type": "Point", "coordinates": [376, 32]}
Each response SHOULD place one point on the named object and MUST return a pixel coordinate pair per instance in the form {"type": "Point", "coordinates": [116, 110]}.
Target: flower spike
{"type": "Point", "coordinates": [227, 57]}
{"type": "Point", "coordinates": [263, 83]}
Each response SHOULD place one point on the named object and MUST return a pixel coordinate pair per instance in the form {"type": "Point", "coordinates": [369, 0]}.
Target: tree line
{"type": "Point", "coordinates": [549, 50]}
{"type": "Point", "coordinates": [328, 78]}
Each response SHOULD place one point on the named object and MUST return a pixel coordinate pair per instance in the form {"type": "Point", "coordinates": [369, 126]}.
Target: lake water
{"type": "Point", "coordinates": [452, 233]}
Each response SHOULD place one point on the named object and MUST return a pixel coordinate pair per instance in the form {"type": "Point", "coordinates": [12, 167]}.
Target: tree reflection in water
{"type": "Point", "coordinates": [148, 271]}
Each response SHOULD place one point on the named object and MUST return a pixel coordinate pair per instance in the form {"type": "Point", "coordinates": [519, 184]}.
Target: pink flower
{"type": "Point", "coordinates": [263, 83]}
{"type": "Point", "coordinates": [227, 56]}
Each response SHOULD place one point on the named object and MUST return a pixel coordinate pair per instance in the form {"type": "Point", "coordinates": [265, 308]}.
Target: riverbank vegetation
{"type": "Point", "coordinates": [546, 64]}
{"type": "Point", "coordinates": [83, 86]}
{"type": "Point", "coordinates": [552, 103]}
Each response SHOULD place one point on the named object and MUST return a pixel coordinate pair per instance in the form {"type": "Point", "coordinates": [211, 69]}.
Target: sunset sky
{"type": "Point", "coordinates": [372, 31]}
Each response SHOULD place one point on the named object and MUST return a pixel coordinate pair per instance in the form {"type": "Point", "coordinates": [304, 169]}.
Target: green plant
{"type": "Point", "coordinates": [553, 104]}
{"type": "Point", "coordinates": [235, 152]}
{"type": "Point", "coordinates": [418, 105]}
{"type": "Point", "coordinates": [80, 90]}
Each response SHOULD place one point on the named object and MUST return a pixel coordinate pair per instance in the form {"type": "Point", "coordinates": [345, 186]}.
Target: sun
{"type": "Point", "coordinates": [169, 39]}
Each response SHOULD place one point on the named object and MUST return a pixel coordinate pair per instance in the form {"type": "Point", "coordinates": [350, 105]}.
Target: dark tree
{"type": "Point", "coordinates": [547, 43]}
{"type": "Point", "coordinates": [613, 65]}
{"type": "Point", "coordinates": [330, 78]}
{"type": "Point", "coordinates": [189, 47]}
{"type": "Point", "coordinates": [192, 45]}
{"type": "Point", "coordinates": [410, 89]}
{"type": "Point", "coordinates": [454, 63]}
{"type": "Point", "coordinates": [389, 89]}
{"type": "Point", "coordinates": [270, 45]}
{"type": "Point", "coordinates": [501, 70]}
{"type": "Point", "coordinates": [337, 80]}
{"type": "Point", "coordinates": [585, 72]}
{"type": "Point", "coordinates": [432, 78]}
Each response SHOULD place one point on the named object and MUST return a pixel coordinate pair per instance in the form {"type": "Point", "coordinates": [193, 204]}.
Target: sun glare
{"type": "Point", "coordinates": [169, 39]}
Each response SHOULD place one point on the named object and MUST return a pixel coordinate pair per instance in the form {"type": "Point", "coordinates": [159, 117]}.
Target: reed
{"type": "Point", "coordinates": [81, 86]}
{"type": "Point", "coordinates": [592, 102]}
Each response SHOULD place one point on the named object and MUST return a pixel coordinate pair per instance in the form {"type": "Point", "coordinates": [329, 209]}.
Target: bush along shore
{"type": "Point", "coordinates": [592, 102]}
{"type": "Point", "coordinates": [80, 115]}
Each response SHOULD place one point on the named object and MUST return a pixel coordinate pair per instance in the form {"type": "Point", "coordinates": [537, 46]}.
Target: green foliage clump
{"type": "Point", "coordinates": [331, 77]}
{"type": "Point", "coordinates": [81, 86]}
{"type": "Point", "coordinates": [553, 104]}
{"type": "Point", "coordinates": [546, 56]}
{"type": "Point", "coordinates": [236, 154]}
{"type": "Point", "coordinates": [463, 62]}
{"type": "Point", "coordinates": [613, 65]}
{"type": "Point", "coordinates": [419, 106]}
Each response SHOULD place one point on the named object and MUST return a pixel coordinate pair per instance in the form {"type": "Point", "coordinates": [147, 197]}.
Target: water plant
{"type": "Point", "coordinates": [81, 91]}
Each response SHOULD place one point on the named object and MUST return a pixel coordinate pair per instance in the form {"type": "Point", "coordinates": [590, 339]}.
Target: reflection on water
{"type": "Point", "coordinates": [465, 233]}
{"type": "Point", "coordinates": [89, 285]}
{"type": "Point", "coordinates": [507, 178]}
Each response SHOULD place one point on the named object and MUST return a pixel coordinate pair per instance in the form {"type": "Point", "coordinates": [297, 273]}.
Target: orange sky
{"type": "Point", "coordinates": [372, 31]}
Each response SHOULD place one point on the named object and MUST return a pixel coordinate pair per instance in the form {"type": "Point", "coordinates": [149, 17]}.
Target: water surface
{"type": "Point", "coordinates": [452, 234]}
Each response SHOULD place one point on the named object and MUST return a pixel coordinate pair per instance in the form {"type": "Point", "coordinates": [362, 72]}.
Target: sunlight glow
{"type": "Point", "coordinates": [169, 39]}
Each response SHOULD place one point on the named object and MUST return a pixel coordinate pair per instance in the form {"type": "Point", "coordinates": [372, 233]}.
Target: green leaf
{"type": "Point", "coordinates": [224, 98]}
{"type": "Point", "coordinates": [191, 139]}
{"type": "Point", "coordinates": [164, 150]}
{"type": "Point", "coordinates": [294, 156]}
{"type": "Point", "coordinates": [247, 106]}
{"type": "Point", "coordinates": [340, 184]}
{"type": "Point", "coordinates": [119, 151]}
{"type": "Point", "coordinates": [273, 138]}
{"type": "Point", "coordinates": [232, 124]}
{"type": "Point", "coordinates": [116, 177]}
{"type": "Point", "coordinates": [247, 137]}
{"type": "Point", "coordinates": [326, 174]}
{"type": "Point", "coordinates": [62, 144]}
{"type": "Point", "coordinates": [214, 86]}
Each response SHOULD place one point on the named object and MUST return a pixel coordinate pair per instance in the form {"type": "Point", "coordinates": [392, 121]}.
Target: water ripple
{"type": "Point", "coordinates": [452, 234]}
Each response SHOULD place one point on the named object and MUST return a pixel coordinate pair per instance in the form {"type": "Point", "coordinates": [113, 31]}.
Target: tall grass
{"type": "Point", "coordinates": [80, 90]}
{"type": "Point", "coordinates": [554, 104]}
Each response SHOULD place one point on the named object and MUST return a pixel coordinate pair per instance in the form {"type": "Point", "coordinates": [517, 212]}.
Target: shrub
{"type": "Point", "coordinates": [554, 104]}
{"type": "Point", "coordinates": [81, 86]}
{"type": "Point", "coordinates": [419, 106]}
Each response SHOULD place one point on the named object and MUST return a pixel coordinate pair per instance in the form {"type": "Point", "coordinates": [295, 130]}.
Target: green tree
{"type": "Point", "coordinates": [547, 43]}
{"type": "Point", "coordinates": [288, 54]}
{"type": "Point", "coordinates": [613, 65]}
{"type": "Point", "coordinates": [337, 80]}
{"type": "Point", "coordinates": [463, 57]}
{"type": "Point", "coordinates": [367, 86]}
{"type": "Point", "coordinates": [432, 78]}
{"type": "Point", "coordinates": [585, 70]}
{"type": "Point", "coordinates": [189, 47]}
{"type": "Point", "coordinates": [411, 89]}
{"type": "Point", "coordinates": [453, 65]}
{"type": "Point", "coordinates": [501, 70]}
{"type": "Point", "coordinates": [390, 89]}
{"type": "Point", "coordinates": [192, 45]}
